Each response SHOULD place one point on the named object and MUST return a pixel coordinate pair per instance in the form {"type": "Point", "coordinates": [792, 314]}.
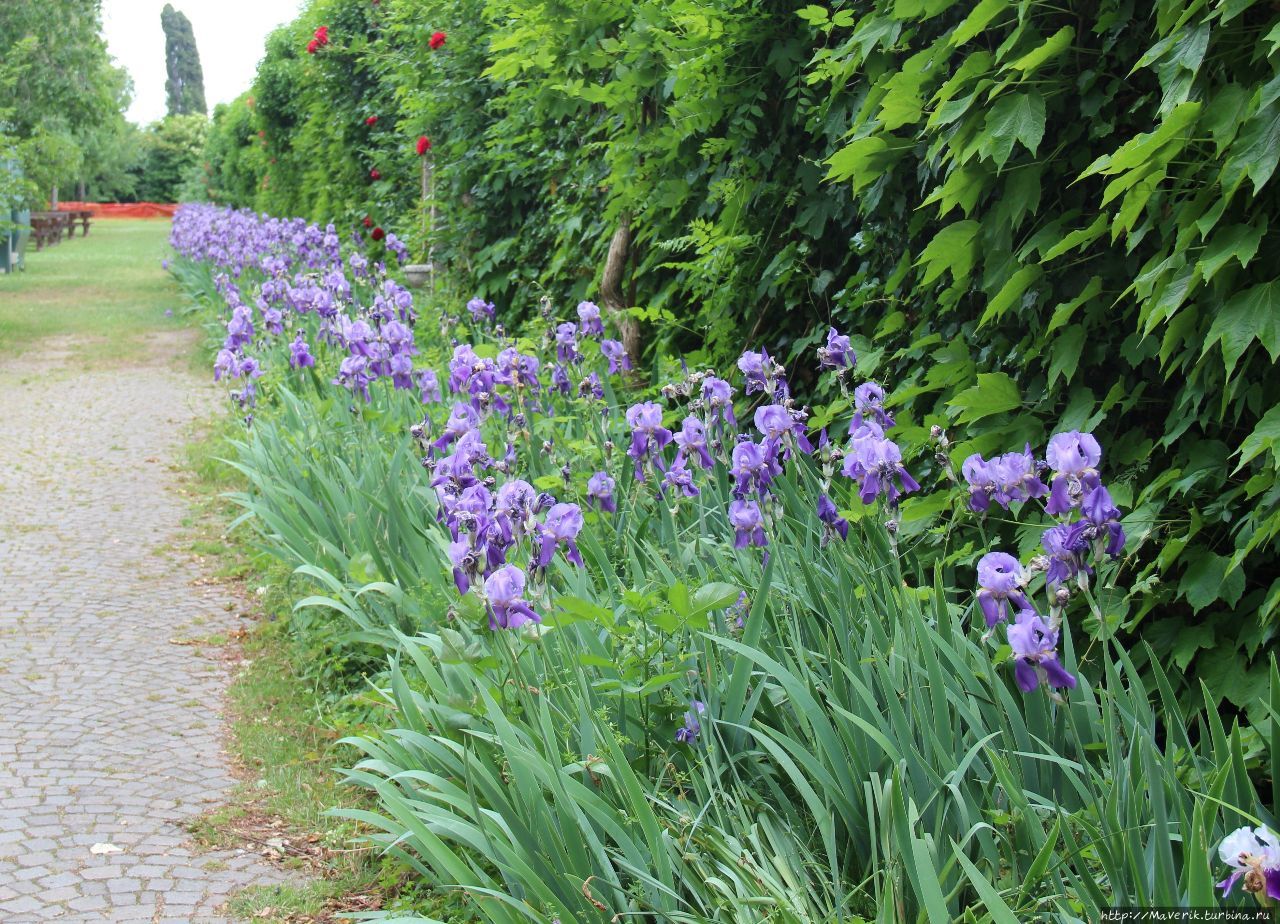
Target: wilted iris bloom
{"type": "Point", "coordinates": [300, 354]}
{"type": "Point", "coordinates": [1074, 458]}
{"type": "Point", "coordinates": [591, 387]}
{"type": "Point", "coordinates": [468, 563]}
{"type": "Point", "coordinates": [600, 487]}
{"type": "Point", "coordinates": [1035, 654]}
{"type": "Point", "coordinates": [614, 351]}
{"type": "Point", "coordinates": [837, 354]}
{"type": "Point", "coordinates": [1010, 478]}
{"type": "Point", "coordinates": [648, 436]}
{"type": "Point", "coordinates": [689, 731]}
{"type": "Point", "coordinates": [1000, 585]}
{"type": "Point", "coordinates": [589, 319]}
{"type": "Point", "coordinates": [1254, 855]}
{"type": "Point", "coordinates": [747, 523]}
{"type": "Point", "coordinates": [504, 589]}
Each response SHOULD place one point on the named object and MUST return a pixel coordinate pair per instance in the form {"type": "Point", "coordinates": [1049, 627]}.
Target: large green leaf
{"type": "Point", "coordinates": [1016, 117]}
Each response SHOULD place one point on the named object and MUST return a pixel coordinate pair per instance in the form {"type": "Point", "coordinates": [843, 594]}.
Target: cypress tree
{"type": "Point", "coordinates": [185, 86]}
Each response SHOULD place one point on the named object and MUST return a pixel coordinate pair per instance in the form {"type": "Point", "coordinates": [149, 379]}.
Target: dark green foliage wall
{"type": "Point", "coordinates": [184, 87]}
{"type": "Point", "coordinates": [1035, 216]}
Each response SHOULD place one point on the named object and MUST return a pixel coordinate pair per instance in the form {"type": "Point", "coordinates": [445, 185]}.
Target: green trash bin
{"type": "Point", "coordinates": [13, 240]}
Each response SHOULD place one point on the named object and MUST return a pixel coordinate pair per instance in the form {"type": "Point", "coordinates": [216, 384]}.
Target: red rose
{"type": "Point", "coordinates": [424, 145]}
{"type": "Point", "coordinates": [371, 121]}
{"type": "Point", "coordinates": [377, 234]}
{"type": "Point", "coordinates": [374, 174]}
{"type": "Point", "coordinates": [312, 46]}
{"type": "Point", "coordinates": [368, 222]}
{"type": "Point", "coordinates": [437, 39]}
{"type": "Point", "coordinates": [322, 35]}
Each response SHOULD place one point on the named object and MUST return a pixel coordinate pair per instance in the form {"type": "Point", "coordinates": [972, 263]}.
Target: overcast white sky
{"type": "Point", "coordinates": [229, 35]}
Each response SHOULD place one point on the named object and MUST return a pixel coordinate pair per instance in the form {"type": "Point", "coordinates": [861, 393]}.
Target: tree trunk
{"type": "Point", "coordinates": [615, 265]}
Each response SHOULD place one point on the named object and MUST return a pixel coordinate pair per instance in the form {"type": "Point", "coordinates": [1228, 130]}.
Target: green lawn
{"type": "Point", "coordinates": [104, 291]}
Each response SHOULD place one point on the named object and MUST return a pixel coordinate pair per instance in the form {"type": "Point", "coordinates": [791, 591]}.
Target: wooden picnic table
{"type": "Point", "coordinates": [47, 227]}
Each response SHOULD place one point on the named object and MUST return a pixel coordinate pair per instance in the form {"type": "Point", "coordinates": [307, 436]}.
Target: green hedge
{"type": "Point", "coordinates": [1036, 215]}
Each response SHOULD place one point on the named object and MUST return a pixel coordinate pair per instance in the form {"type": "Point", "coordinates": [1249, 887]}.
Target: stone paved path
{"type": "Point", "coordinates": [109, 733]}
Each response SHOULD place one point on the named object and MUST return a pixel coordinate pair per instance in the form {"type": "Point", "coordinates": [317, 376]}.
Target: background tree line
{"type": "Point", "coordinates": [62, 105]}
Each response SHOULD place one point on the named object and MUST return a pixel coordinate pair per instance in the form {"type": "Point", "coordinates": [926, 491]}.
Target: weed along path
{"type": "Point", "coordinates": [110, 716]}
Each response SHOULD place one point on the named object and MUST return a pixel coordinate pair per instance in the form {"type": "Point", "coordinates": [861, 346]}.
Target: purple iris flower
{"type": "Point", "coordinates": [1007, 479]}
{"type": "Point", "coordinates": [680, 478]}
{"type": "Point", "coordinates": [468, 563]}
{"type": "Point", "coordinates": [648, 436]}
{"type": "Point", "coordinates": [463, 419]}
{"type": "Point", "coordinates": [876, 463]}
{"type": "Point", "coordinates": [600, 487]}
{"type": "Point", "coordinates": [589, 319]}
{"type": "Point", "coordinates": [561, 526]}
{"type": "Point", "coordinates": [1065, 545]}
{"type": "Point", "coordinates": [567, 343]}
{"type": "Point", "coordinates": [239, 328]}
{"type": "Point", "coordinates": [755, 369]}
{"type": "Point", "coordinates": [1035, 654]}
{"type": "Point", "coordinates": [1253, 854]}
{"type": "Point", "coordinates": [519, 369]}
{"type": "Point", "coordinates": [513, 509]}
{"type": "Point", "coordinates": [401, 368]}
{"type": "Point", "coordinates": [273, 321]}
{"type": "Point", "coordinates": [616, 353]}
{"type": "Point", "coordinates": [226, 363]}
{"type": "Point", "coordinates": [354, 374]}
{"type": "Point", "coordinates": [429, 387]}
{"type": "Point", "coordinates": [776, 422]}
{"type": "Point", "coordinates": [1000, 586]}
{"type": "Point", "coordinates": [868, 399]}
{"type": "Point", "coordinates": [560, 380]}
{"type": "Point", "coordinates": [300, 354]}
{"type": "Point", "coordinates": [747, 523]}
{"type": "Point", "coordinates": [481, 310]}
{"type": "Point", "coordinates": [753, 467]}
{"type": "Point", "coordinates": [718, 395]}
{"type": "Point", "coordinates": [692, 440]}
{"type": "Point", "coordinates": [837, 354]}
{"type": "Point", "coordinates": [830, 516]}
{"type": "Point", "coordinates": [461, 366]}
{"type": "Point", "coordinates": [1074, 458]}
{"type": "Point", "coordinates": [1103, 516]}
{"type": "Point", "coordinates": [689, 731]}
{"type": "Point", "coordinates": [504, 589]}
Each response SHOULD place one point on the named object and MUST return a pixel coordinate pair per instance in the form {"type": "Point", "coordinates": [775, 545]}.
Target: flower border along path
{"type": "Point", "coordinates": [111, 738]}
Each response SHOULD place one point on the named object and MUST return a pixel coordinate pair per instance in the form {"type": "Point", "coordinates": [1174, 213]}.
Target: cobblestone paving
{"type": "Point", "coordinates": [109, 732]}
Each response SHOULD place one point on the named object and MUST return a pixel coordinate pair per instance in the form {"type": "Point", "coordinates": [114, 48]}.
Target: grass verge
{"type": "Point", "coordinates": [284, 732]}
{"type": "Point", "coordinates": [106, 291]}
